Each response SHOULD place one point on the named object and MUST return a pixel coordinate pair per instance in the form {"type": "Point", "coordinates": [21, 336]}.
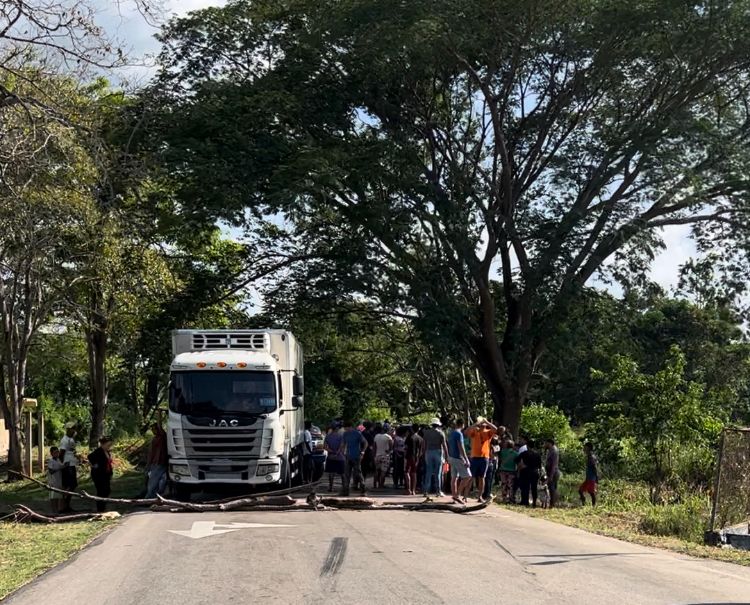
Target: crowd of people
{"type": "Point", "coordinates": [64, 461]}
{"type": "Point", "coordinates": [472, 462]}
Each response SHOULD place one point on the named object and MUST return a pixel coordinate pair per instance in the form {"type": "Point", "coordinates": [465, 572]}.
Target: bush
{"type": "Point", "coordinates": [686, 520]}
{"type": "Point", "coordinates": [540, 422]}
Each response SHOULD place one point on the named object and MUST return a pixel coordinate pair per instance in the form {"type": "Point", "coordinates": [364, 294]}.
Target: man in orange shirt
{"type": "Point", "coordinates": [481, 435]}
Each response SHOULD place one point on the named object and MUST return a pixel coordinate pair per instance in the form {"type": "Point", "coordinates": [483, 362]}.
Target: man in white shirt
{"type": "Point", "coordinates": [383, 449]}
{"type": "Point", "coordinates": [70, 463]}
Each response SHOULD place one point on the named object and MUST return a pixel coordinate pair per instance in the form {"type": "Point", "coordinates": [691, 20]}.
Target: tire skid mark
{"type": "Point", "coordinates": [335, 558]}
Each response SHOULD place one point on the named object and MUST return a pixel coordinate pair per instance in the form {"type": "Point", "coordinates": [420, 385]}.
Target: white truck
{"type": "Point", "coordinates": [235, 409]}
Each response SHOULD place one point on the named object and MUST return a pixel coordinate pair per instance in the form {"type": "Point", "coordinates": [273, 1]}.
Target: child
{"type": "Point", "coordinates": [592, 476]}
{"type": "Point", "coordinates": [508, 470]}
{"type": "Point", "coordinates": [101, 470]}
{"type": "Point", "coordinates": [54, 479]}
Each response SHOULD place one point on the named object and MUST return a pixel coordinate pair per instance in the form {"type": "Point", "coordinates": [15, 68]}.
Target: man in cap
{"type": "Point", "coordinates": [435, 452]}
{"type": "Point", "coordinates": [481, 435]}
{"type": "Point", "coordinates": [68, 457]}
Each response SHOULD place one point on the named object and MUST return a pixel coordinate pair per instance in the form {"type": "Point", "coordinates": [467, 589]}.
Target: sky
{"type": "Point", "coordinates": [129, 26]}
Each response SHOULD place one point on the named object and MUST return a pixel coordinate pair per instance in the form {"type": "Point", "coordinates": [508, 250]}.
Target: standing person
{"type": "Point", "coordinates": [459, 462]}
{"type": "Point", "coordinates": [481, 434]}
{"type": "Point", "coordinates": [552, 468]}
{"type": "Point", "coordinates": [412, 455]}
{"type": "Point", "coordinates": [368, 462]}
{"type": "Point", "coordinates": [508, 455]}
{"type": "Point", "coordinates": [157, 462]}
{"type": "Point", "coordinates": [307, 453]}
{"type": "Point", "coordinates": [435, 452]}
{"type": "Point", "coordinates": [355, 446]}
{"type": "Point", "coordinates": [54, 479]}
{"type": "Point", "coordinates": [383, 449]}
{"type": "Point", "coordinates": [589, 486]}
{"type": "Point", "coordinates": [489, 480]}
{"type": "Point", "coordinates": [334, 445]}
{"type": "Point", "coordinates": [69, 459]}
{"type": "Point", "coordinates": [101, 471]}
{"type": "Point", "coordinates": [529, 465]}
{"type": "Point", "coordinates": [399, 452]}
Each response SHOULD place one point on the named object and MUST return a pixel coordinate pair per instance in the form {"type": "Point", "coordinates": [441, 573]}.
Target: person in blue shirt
{"type": "Point", "coordinates": [355, 446]}
{"type": "Point", "coordinates": [459, 463]}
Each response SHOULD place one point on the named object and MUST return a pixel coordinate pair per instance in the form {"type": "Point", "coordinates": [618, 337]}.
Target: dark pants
{"type": "Point", "coordinates": [529, 481]}
{"type": "Point", "coordinates": [353, 468]}
{"type": "Point", "coordinates": [307, 468]}
{"type": "Point", "coordinates": [103, 490]}
{"type": "Point", "coordinates": [398, 470]}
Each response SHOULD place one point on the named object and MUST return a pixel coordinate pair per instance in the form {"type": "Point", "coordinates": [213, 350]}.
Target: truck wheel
{"type": "Point", "coordinates": [299, 478]}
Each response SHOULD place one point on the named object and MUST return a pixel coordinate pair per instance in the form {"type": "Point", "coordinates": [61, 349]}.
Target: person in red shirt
{"type": "Point", "coordinates": [481, 435]}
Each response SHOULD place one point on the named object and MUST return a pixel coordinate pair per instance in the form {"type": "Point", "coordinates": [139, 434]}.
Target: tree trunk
{"type": "Point", "coordinates": [97, 353]}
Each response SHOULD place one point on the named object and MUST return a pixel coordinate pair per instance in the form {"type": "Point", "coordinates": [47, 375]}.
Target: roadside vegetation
{"type": "Point", "coordinates": [30, 549]}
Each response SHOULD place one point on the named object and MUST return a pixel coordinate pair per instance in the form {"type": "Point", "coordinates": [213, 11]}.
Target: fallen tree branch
{"type": "Point", "coordinates": [24, 514]}
{"type": "Point", "coordinates": [87, 496]}
{"type": "Point", "coordinates": [238, 503]}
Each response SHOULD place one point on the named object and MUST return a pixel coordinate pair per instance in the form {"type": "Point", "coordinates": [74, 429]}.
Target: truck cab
{"type": "Point", "coordinates": [235, 408]}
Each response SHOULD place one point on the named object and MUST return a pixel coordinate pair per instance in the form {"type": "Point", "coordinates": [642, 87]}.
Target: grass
{"type": "Point", "coordinates": [623, 511]}
{"type": "Point", "coordinates": [30, 549]}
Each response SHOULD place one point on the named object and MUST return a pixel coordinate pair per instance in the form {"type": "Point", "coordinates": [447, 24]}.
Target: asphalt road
{"type": "Point", "coordinates": [375, 557]}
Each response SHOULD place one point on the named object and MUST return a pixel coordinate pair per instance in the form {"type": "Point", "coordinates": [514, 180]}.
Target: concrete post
{"type": "Point", "coordinates": [40, 441]}
{"type": "Point", "coordinates": [29, 444]}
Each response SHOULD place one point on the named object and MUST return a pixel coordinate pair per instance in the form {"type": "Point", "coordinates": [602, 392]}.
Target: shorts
{"type": "Point", "coordinates": [588, 487]}
{"type": "Point", "coordinates": [69, 478]}
{"type": "Point", "coordinates": [458, 468]}
{"type": "Point", "coordinates": [335, 467]}
{"type": "Point", "coordinates": [383, 463]}
{"type": "Point", "coordinates": [479, 467]}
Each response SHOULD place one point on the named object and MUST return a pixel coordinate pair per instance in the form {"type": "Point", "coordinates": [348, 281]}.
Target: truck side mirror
{"type": "Point", "coordinates": [298, 401]}
{"type": "Point", "coordinates": [298, 384]}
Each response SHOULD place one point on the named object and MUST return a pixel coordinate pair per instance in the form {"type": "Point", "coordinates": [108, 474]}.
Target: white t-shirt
{"type": "Point", "coordinates": [523, 448]}
{"type": "Point", "coordinates": [69, 445]}
{"type": "Point", "coordinates": [383, 444]}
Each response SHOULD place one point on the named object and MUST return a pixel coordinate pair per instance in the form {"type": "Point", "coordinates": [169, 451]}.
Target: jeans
{"type": "Point", "coordinates": [433, 473]}
{"type": "Point", "coordinates": [157, 480]}
{"type": "Point", "coordinates": [353, 467]}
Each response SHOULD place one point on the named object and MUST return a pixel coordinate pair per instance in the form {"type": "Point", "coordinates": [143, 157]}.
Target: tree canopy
{"type": "Point", "coordinates": [417, 152]}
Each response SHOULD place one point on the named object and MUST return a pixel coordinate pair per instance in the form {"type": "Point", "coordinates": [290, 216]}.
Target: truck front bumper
{"type": "Point", "coordinates": [236, 472]}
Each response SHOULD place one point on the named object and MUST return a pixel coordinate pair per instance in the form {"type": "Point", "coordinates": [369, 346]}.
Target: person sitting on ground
{"type": "Point", "coordinates": [156, 463]}
{"type": "Point", "coordinates": [589, 486]}
{"type": "Point", "coordinates": [383, 448]}
{"type": "Point", "coordinates": [481, 434]}
{"type": "Point", "coordinates": [459, 462]}
{"type": "Point", "coordinates": [355, 446]}
{"type": "Point", "coordinates": [69, 459]}
{"type": "Point", "coordinates": [334, 446]}
{"type": "Point", "coordinates": [54, 479]}
{"type": "Point", "coordinates": [101, 471]}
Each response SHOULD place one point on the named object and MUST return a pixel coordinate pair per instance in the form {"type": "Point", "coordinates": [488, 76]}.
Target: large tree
{"type": "Point", "coordinates": [419, 151]}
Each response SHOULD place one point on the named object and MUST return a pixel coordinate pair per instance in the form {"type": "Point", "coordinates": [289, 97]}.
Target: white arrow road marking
{"type": "Point", "coordinates": [204, 529]}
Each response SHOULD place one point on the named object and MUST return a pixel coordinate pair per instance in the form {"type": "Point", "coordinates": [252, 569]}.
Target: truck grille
{"type": "Point", "coordinates": [227, 442]}
{"type": "Point", "coordinates": [208, 341]}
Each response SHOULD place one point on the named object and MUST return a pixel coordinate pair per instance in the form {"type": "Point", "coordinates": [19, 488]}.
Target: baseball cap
{"type": "Point", "coordinates": [435, 422]}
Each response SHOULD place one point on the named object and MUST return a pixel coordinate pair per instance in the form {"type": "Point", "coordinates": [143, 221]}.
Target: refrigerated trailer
{"type": "Point", "coordinates": [235, 409]}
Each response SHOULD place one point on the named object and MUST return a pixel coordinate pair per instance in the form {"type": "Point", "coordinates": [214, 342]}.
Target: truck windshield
{"type": "Point", "coordinates": [217, 393]}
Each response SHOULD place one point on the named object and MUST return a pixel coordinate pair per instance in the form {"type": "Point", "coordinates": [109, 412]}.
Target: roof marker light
{"type": "Point", "coordinates": [222, 364]}
{"type": "Point", "coordinates": [201, 364]}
